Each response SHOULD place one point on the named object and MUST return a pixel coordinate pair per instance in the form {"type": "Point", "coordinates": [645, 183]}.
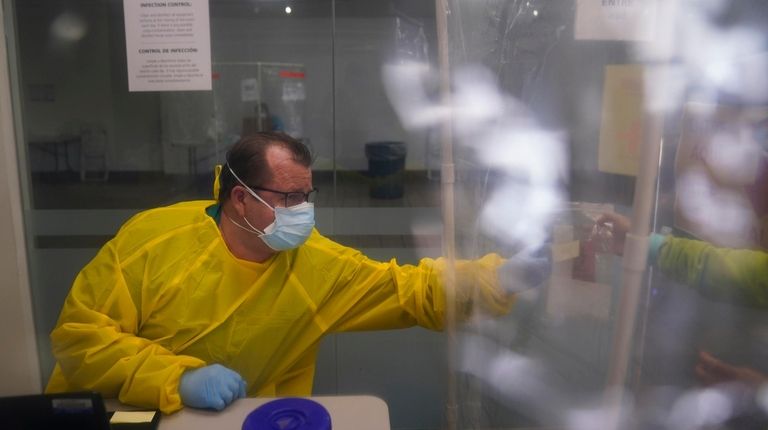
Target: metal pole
{"type": "Point", "coordinates": [447, 179]}
{"type": "Point", "coordinates": [634, 266]}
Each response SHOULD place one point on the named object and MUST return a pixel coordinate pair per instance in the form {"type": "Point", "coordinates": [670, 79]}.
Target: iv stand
{"type": "Point", "coordinates": [447, 180]}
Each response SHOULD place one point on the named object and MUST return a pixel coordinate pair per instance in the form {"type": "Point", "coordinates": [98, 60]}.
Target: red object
{"type": "Point", "coordinates": [584, 265]}
{"type": "Point", "coordinates": [290, 74]}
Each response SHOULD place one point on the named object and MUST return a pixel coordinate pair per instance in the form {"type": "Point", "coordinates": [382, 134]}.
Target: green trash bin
{"type": "Point", "coordinates": [386, 168]}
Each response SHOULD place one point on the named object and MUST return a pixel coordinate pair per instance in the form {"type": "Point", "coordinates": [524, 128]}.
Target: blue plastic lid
{"type": "Point", "coordinates": [290, 413]}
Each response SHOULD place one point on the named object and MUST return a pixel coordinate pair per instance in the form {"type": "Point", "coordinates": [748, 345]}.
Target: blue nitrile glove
{"type": "Point", "coordinates": [211, 387]}
{"type": "Point", "coordinates": [527, 269]}
{"type": "Point", "coordinates": [655, 242]}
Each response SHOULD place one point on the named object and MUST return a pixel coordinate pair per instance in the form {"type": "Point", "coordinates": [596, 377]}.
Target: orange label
{"type": "Point", "coordinates": [290, 74]}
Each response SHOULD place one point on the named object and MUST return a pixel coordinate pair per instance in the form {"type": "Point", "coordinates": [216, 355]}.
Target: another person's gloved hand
{"type": "Point", "coordinates": [618, 226]}
{"type": "Point", "coordinates": [211, 387]}
{"type": "Point", "coordinates": [527, 269]}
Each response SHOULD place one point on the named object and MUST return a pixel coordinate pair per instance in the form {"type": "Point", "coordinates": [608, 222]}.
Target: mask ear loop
{"type": "Point", "coordinates": [217, 187]}
{"type": "Point", "coordinates": [250, 191]}
{"type": "Point", "coordinates": [252, 229]}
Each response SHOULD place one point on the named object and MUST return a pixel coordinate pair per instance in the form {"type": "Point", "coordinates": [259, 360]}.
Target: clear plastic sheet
{"type": "Point", "coordinates": [527, 110]}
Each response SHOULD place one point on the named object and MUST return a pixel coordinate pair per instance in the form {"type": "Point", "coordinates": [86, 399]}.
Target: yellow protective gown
{"type": "Point", "coordinates": [166, 295]}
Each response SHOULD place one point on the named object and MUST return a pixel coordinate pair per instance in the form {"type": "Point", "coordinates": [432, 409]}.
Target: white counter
{"type": "Point", "coordinates": [347, 413]}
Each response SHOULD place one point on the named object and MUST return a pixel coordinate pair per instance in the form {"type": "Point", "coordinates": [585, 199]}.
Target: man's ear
{"type": "Point", "coordinates": [237, 197]}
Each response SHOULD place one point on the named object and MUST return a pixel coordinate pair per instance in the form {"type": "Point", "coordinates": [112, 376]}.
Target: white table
{"type": "Point", "coordinates": [347, 413]}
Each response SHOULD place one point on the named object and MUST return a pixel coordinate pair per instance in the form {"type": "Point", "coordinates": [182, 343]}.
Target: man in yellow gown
{"type": "Point", "coordinates": [203, 302]}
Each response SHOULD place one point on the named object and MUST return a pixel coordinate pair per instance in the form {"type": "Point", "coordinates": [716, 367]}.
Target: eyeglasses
{"type": "Point", "coordinates": [292, 198]}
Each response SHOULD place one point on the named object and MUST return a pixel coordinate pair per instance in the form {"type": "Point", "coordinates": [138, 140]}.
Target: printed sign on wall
{"type": "Point", "coordinates": [623, 120]}
{"type": "Point", "coordinates": [168, 45]}
{"type": "Point", "coordinates": [615, 19]}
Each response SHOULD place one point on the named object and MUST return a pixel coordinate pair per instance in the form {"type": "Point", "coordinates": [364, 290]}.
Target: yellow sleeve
{"type": "Point", "coordinates": [96, 346]}
{"type": "Point", "coordinates": [736, 275]}
{"type": "Point", "coordinates": [372, 295]}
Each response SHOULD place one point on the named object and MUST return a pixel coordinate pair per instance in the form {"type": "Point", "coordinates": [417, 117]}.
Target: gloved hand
{"type": "Point", "coordinates": [527, 269]}
{"type": "Point", "coordinates": [211, 387]}
{"type": "Point", "coordinates": [613, 228]}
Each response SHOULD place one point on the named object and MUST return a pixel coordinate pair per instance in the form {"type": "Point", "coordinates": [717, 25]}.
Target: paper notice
{"type": "Point", "coordinates": [168, 45]}
{"type": "Point", "coordinates": [623, 120]}
{"type": "Point", "coordinates": [615, 19]}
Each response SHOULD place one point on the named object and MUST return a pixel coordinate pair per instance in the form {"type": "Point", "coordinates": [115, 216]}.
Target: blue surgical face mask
{"type": "Point", "coordinates": [291, 227]}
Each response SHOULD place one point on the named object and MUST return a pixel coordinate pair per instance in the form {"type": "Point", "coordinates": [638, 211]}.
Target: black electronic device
{"type": "Point", "coordinates": [70, 411]}
{"type": "Point", "coordinates": [62, 411]}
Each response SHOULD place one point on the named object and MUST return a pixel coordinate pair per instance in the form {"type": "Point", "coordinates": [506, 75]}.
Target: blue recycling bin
{"type": "Point", "coordinates": [386, 168]}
